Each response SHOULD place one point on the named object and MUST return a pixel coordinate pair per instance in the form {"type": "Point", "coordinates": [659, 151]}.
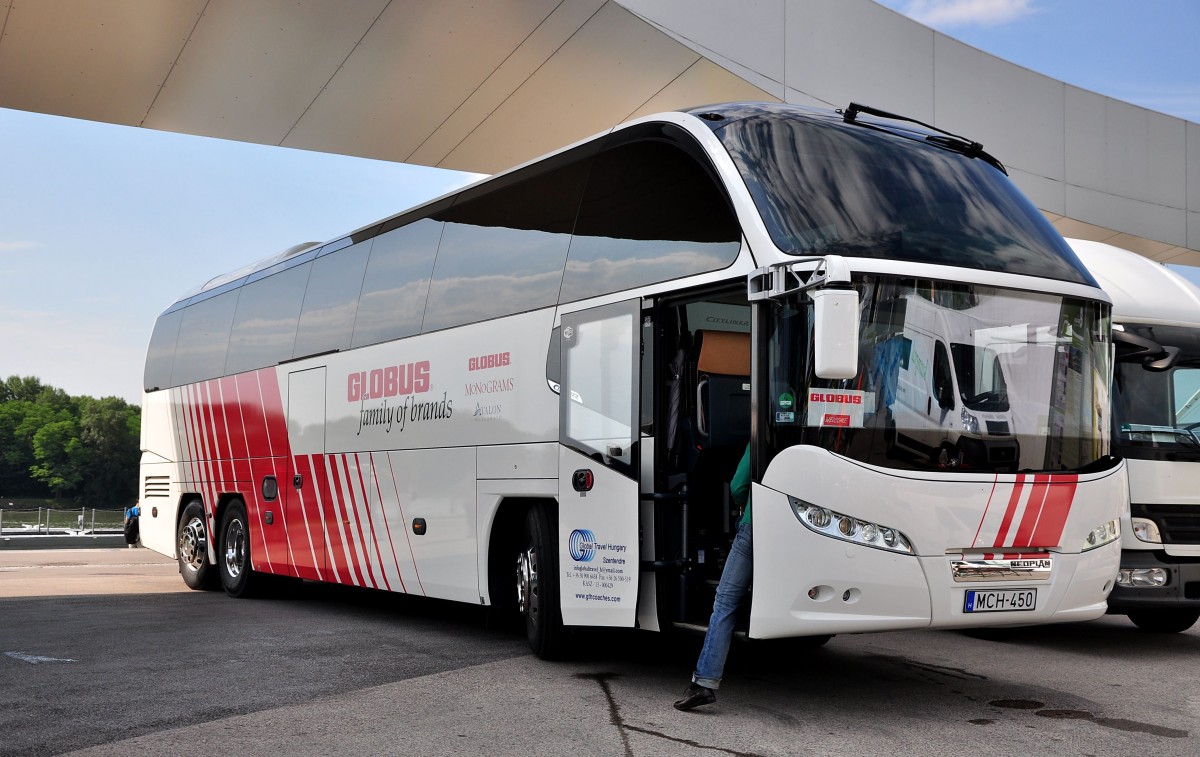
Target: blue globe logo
{"type": "Point", "coordinates": [582, 545]}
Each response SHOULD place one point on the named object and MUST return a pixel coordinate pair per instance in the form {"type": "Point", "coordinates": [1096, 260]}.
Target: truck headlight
{"type": "Point", "coordinates": [1146, 530]}
{"type": "Point", "coordinates": [1101, 535]}
{"type": "Point", "coordinates": [848, 528]}
{"type": "Point", "coordinates": [970, 423]}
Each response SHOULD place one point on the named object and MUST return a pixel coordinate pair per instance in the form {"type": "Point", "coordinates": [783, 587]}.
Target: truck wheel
{"type": "Point", "coordinates": [1165, 621]}
{"type": "Point", "coordinates": [537, 585]}
{"type": "Point", "coordinates": [192, 548]}
{"type": "Point", "coordinates": [233, 551]}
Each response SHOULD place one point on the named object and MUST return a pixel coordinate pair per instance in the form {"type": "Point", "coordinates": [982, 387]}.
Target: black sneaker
{"type": "Point", "coordinates": [695, 696]}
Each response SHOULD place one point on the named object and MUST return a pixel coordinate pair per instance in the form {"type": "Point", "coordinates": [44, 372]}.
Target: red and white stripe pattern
{"type": "Point", "coordinates": [232, 432]}
{"type": "Point", "coordinates": [1029, 512]}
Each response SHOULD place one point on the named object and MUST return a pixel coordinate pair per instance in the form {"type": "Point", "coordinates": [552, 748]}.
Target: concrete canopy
{"type": "Point", "coordinates": [482, 86]}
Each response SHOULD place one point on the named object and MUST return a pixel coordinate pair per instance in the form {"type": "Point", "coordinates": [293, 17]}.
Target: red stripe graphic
{"type": "Point", "coordinates": [387, 528]}
{"type": "Point", "coordinates": [1050, 527]}
{"type": "Point", "coordinates": [992, 493]}
{"type": "Point", "coordinates": [371, 524]}
{"type": "Point", "coordinates": [404, 519]}
{"type": "Point", "coordinates": [354, 568]}
{"type": "Point", "coordinates": [1033, 511]}
{"type": "Point", "coordinates": [1013, 500]}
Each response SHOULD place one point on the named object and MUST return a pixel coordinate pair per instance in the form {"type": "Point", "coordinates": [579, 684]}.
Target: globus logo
{"type": "Point", "coordinates": [390, 381]}
{"type": "Point", "coordinates": [582, 545]}
{"type": "Point", "coordinates": [852, 399]}
{"type": "Point", "coordinates": [483, 362]}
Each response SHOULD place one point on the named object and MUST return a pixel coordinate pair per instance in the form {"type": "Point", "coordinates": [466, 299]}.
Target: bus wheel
{"type": "Point", "coordinates": [537, 585]}
{"type": "Point", "coordinates": [233, 551]}
{"type": "Point", "coordinates": [1165, 621]}
{"type": "Point", "coordinates": [192, 549]}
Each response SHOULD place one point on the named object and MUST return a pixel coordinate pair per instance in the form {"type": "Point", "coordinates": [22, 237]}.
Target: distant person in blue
{"type": "Point", "coordinates": [735, 582]}
{"type": "Point", "coordinates": [131, 524]}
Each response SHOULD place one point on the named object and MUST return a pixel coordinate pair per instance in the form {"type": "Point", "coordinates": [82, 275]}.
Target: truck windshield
{"type": "Point", "coordinates": [826, 187]}
{"type": "Point", "coordinates": [1156, 414]}
{"type": "Point", "coordinates": [1023, 385]}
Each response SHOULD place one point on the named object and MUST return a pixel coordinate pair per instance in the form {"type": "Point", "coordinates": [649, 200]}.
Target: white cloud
{"type": "Point", "coordinates": [15, 246]}
{"type": "Point", "coordinates": [950, 13]}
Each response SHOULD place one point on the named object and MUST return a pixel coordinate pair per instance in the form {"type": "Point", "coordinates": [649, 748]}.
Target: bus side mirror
{"type": "Point", "coordinates": [835, 333]}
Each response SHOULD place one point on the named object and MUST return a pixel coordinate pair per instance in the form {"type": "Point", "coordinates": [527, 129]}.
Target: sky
{"type": "Point", "coordinates": [102, 227]}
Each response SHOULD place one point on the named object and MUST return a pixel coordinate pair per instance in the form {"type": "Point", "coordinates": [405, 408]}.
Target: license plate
{"type": "Point", "coordinates": [1000, 600]}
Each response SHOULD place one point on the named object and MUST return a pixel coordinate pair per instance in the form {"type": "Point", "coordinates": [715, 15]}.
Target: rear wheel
{"type": "Point", "coordinates": [537, 585]}
{"type": "Point", "coordinates": [233, 552]}
{"type": "Point", "coordinates": [1165, 621]}
{"type": "Point", "coordinates": [192, 548]}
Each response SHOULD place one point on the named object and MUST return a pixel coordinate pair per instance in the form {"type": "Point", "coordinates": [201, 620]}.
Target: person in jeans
{"type": "Point", "coordinates": [735, 581]}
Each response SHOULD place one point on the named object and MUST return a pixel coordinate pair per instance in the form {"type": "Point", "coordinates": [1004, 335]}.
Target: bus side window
{"type": "Point", "coordinates": [650, 213]}
{"type": "Point", "coordinates": [394, 288]}
{"type": "Point", "coordinates": [264, 326]}
{"type": "Point", "coordinates": [331, 300]}
{"type": "Point", "coordinates": [161, 354]}
{"type": "Point", "coordinates": [204, 339]}
{"type": "Point", "coordinates": [503, 252]}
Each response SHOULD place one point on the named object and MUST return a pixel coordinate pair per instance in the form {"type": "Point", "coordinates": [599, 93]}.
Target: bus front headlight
{"type": "Point", "coordinates": [1101, 535]}
{"type": "Point", "coordinates": [848, 528]}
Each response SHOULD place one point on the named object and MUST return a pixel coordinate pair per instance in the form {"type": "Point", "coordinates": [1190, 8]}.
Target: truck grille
{"type": "Point", "coordinates": [1178, 524]}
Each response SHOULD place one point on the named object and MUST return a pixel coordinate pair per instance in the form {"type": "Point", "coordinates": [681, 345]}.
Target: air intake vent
{"type": "Point", "coordinates": [156, 486]}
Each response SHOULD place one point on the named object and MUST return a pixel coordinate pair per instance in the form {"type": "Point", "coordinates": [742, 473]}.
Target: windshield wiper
{"type": "Point", "coordinates": [943, 138]}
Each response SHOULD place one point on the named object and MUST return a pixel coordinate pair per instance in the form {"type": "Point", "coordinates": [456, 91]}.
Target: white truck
{"type": "Point", "coordinates": [1156, 428]}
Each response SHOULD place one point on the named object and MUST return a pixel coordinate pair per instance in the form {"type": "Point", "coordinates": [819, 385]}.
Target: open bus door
{"type": "Point", "coordinates": [598, 460]}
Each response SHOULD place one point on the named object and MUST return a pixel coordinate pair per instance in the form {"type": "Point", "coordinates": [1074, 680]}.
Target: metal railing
{"type": "Point", "coordinates": [46, 520]}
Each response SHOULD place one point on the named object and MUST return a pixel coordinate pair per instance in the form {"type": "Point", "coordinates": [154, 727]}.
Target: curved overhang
{"type": "Point", "coordinates": [483, 86]}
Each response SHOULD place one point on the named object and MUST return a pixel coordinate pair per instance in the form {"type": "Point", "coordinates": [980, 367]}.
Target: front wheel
{"type": "Point", "coordinates": [233, 551]}
{"type": "Point", "coordinates": [537, 585]}
{"type": "Point", "coordinates": [192, 549]}
{"type": "Point", "coordinates": [1165, 621]}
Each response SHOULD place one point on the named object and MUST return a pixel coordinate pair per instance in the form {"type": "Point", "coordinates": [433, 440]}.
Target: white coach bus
{"type": "Point", "coordinates": [1156, 428]}
{"type": "Point", "coordinates": [532, 393]}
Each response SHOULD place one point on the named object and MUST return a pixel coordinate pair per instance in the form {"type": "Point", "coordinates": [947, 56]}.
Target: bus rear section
{"type": "Point", "coordinates": [1156, 428]}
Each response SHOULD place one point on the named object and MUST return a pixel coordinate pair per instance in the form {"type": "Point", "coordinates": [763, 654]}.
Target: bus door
{"type": "Point", "coordinates": [598, 461]}
{"type": "Point", "coordinates": [304, 491]}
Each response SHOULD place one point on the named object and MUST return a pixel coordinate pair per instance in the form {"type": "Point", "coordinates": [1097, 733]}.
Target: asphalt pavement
{"type": "Point", "coordinates": [129, 662]}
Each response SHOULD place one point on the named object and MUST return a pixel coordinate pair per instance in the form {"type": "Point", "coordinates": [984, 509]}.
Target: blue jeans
{"type": "Point", "coordinates": [735, 581]}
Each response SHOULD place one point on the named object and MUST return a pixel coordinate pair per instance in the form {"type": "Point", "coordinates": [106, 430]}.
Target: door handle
{"type": "Point", "coordinates": [298, 481]}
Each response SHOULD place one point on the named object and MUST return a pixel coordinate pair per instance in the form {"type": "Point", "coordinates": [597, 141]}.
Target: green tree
{"type": "Point", "coordinates": [109, 428]}
{"type": "Point", "coordinates": [53, 444]}
{"type": "Point", "coordinates": [62, 459]}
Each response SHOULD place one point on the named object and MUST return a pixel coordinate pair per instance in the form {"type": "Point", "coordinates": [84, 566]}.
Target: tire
{"type": "Point", "coordinates": [233, 551]}
{"type": "Point", "coordinates": [192, 549]}
{"type": "Point", "coordinates": [537, 585]}
{"type": "Point", "coordinates": [1165, 621]}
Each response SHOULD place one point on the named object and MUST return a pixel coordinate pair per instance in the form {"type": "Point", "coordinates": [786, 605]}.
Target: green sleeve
{"type": "Point", "coordinates": [739, 487]}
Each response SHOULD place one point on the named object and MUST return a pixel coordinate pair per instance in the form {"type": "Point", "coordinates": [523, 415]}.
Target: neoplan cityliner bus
{"type": "Point", "coordinates": [531, 393]}
{"type": "Point", "coordinates": [1156, 429]}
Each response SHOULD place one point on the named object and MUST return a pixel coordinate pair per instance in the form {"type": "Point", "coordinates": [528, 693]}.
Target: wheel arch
{"type": "Point", "coordinates": [504, 527]}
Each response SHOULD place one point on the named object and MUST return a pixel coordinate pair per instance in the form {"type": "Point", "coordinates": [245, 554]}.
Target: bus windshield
{"type": "Point", "coordinates": [825, 187]}
{"type": "Point", "coordinates": [951, 376]}
{"type": "Point", "coordinates": [1156, 414]}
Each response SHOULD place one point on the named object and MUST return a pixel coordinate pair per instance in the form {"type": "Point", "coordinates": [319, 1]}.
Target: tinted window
{"type": "Point", "coordinates": [203, 339]}
{"type": "Point", "coordinates": [824, 187]}
{"type": "Point", "coordinates": [502, 252]}
{"type": "Point", "coordinates": [161, 353]}
{"type": "Point", "coordinates": [264, 327]}
{"type": "Point", "coordinates": [651, 213]}
{"type": "Point", "coordinates": [330, 304]}
{"type": "Point", "coordinates": [396, 282]}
